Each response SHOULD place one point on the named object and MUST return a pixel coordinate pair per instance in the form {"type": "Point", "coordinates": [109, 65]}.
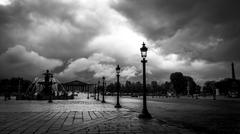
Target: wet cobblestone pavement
{"type": "Point", "coordinates": [75, 117]}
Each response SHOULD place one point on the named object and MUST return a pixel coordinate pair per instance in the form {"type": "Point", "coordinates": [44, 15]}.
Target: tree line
{"type": "Point", "coordinates": [14, 85]}
{"type": "Point", "coordinates": [178, 85]}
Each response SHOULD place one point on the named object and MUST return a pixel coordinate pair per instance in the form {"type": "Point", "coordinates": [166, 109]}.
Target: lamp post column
{"type": "Point", "coordinates": [95, 91]}
{"type": "Point", "coordinates": [98, 90]}
{"type": "Point", "coordinates": [19, 89]}
{"type": "Point", "coordinates": [118, 87]}
{"type": "Point", "coordinates": [88, 91]}
{"type": "Point", "coordinates": [145, 114]}
{"type": "Point", "coordinates": [103, 92]}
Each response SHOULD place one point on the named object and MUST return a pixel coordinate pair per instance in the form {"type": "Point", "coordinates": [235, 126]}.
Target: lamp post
{"type": "Point", "coordinates": [19, 89]}
{"type": "Point", "coordinates": [98, 86]}
{"type": "Point", "coordinates": [95, 91]}
{"type": "Point", "coordinates": [103, 100]}
{"type": "Point", "coordinates": [118, 87]}
{"type": "Point", "coordinates": [145, 114]}
{"type": "Point", "coordinates": [88, 91]}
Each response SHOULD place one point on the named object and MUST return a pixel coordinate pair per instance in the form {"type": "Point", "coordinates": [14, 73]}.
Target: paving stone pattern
{"type": "Point", "coordinates": [91, 117]}
{"type": "Point", "coordinates": [75, 122]}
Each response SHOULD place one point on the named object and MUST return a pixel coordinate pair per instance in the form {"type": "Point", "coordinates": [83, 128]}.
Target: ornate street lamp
{"type": "Point", "coordinates": [103, 100]}
{"type": "Point", "coordinates": [118, 87]}
{"type": "Point", "coordinates": [145, 114]}
{"type": "Point", "coordinates": [98, 87]}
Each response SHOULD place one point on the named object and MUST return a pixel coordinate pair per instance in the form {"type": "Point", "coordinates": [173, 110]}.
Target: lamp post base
{"type": "Point", "coordinates": [145, 115]}
{"type": "Point", "coordinates": [50, 99]}
{"type": "Point", "coordinates": [103, 101]}
{"type": "Point", "coordinates": [118, 106]}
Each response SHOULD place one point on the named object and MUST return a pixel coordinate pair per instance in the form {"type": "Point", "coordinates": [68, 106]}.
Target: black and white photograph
{"type": "Point", "coordinates": [119, 67]}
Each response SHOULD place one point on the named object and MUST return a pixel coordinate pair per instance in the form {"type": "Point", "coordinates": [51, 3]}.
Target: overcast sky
{"type": "Point", "coordinates": [85, 40]}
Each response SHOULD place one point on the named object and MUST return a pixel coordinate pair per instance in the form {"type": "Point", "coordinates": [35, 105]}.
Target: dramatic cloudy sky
{"type": "Point", "coordinates": [85, 40]}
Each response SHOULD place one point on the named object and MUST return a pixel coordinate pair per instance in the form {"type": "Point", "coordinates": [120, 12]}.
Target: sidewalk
{"type": "Point", "coordinates": [184, 98]}
{"type": "Point", "coordinates": [76, 116]}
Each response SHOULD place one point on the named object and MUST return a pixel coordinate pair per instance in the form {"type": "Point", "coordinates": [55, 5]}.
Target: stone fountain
{"type": "Point", "coordinates": [46, 88]}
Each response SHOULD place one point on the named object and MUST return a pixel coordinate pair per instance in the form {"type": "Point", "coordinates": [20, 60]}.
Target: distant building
{"type": "Point", "coordinates": [76, 85]}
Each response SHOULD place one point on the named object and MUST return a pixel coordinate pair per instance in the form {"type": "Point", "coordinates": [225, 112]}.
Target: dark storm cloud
{"type": "Point", "coordinates": [10, 17]}
{"type": "Point", "coordinates": [46, 26]}
{"type": "Point", "coordinates": [72, 37]}
{"type": "Point", "coordinates": [53, 30]}
{"type": "Point", "coordinates": [200, 29]}
{"type": "Point", "coordinates": [59, 31]}
{"type": "Point", "coordinates": [17, 61]}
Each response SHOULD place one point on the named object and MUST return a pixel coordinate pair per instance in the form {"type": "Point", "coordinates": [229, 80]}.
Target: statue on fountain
{"type": "Point", "coordinates": [47, 85]}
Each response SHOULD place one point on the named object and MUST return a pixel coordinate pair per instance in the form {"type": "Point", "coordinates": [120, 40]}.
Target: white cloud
{"type": "Point", "coordinates": [5, 2]}
{"type": "Point", "coordinates": [99, 57]}
{"type": "Point", "coordinates": [101, 65]}
{"type": "Point", "coordinates": [129, 72]}
{"type": "Point", "coordinates": [92, 63]}
{"type": "Point", "coordinates": [169, 63]}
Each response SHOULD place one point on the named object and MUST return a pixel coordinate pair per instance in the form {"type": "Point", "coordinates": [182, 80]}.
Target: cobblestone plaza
{"type": "Point", "coordinates": [75, 116]}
